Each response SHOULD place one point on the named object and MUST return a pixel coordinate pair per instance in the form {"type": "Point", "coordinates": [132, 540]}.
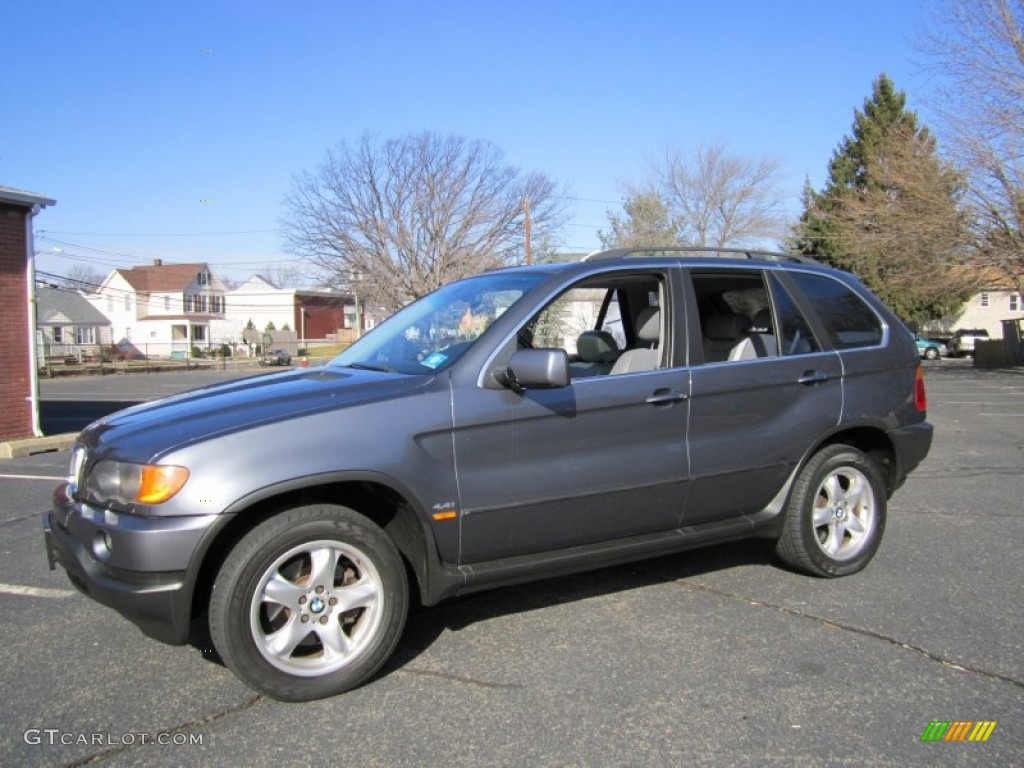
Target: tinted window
{"type": "Point", "coordinates": [850, 322]}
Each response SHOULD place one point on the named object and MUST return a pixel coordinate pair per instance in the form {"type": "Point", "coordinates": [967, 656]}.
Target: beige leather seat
{"type": "Point", "coordinates": [647, 355]}
{"type": "Point", "coordinates": [723, 332]}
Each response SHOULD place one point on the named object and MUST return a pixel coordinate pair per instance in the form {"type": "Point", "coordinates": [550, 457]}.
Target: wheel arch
{"type": "Point", "coordinates": [870, 440]}
{"type": "Point", "coordinates": [381, 500]}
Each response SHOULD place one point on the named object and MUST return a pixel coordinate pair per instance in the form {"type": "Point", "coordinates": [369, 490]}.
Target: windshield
{"type": "Point", "coordinates": [432, 333]}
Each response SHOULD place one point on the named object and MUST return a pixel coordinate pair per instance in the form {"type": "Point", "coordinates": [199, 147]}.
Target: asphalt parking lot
{"type": "Point", "coordinates": [715, 657]}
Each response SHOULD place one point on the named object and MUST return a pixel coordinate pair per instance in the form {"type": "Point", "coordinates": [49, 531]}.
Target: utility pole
{"type": "Point", "coordinates": [526, 210]}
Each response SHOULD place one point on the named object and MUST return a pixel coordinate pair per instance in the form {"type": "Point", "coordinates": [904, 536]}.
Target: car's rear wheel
{"type": "Point", "coordinates": [836, 514]}
{"type": "Point", "coordinates": [310, 603]}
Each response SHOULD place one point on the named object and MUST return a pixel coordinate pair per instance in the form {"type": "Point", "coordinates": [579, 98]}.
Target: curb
{"type": "Point", "coordinates": [16, 449]}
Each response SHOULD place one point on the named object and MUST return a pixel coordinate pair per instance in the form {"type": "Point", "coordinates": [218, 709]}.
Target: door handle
{"type": "Point", "coordinates": [812, 377]}
{"type": "Point", "coordinates": [666, 397]}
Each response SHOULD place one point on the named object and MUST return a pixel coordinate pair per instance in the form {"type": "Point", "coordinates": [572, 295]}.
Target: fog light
{"type": "Point", "coordinates": [102, 546]}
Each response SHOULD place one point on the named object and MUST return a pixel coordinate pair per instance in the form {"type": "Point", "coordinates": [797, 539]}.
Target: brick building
{"type": "Point", "coordinates": [19, 392]}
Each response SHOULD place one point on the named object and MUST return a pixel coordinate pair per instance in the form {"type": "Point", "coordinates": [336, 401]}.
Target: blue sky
{"type": "Point", "coordinates": [132, 113]}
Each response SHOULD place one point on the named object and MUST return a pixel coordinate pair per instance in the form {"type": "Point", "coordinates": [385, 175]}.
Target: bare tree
{"type": "Point", "coordinates": [84, 278]}
{"type": "Point", "coordinates": [287, 276]}
{"type": "Point", "coordinates": [713, 199]}
{"type": "Point", "coordinates": [395, 219]}
{"type": "Point", "coordinates": [978, 48]}
{"type": "Point", "coordinates": [719, 199]}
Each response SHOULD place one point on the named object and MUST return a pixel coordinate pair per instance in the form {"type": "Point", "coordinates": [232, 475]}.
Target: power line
{"type": "Point", "coordinates": [113, 293]}
{"type": "Point", "coordinates": [158, 234]}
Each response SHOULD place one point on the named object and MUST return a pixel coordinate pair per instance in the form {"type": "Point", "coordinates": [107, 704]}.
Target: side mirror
{"type": "Point", "coordinates": [537, 369]}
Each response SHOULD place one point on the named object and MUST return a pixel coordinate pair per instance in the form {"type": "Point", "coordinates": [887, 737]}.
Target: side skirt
{"type": "Point", "coordinates": [476, 577]}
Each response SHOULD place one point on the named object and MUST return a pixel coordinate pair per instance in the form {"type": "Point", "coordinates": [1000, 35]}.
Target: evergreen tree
{"type": "Point", "coordinates": [889, 211]}
{"type": "Point", "coordinates": [646, 223]}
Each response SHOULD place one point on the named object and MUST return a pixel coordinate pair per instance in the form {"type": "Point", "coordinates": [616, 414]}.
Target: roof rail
{"type": "Point", "coordinates": [700, 250]}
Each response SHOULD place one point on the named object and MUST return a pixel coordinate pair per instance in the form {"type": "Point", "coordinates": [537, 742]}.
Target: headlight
{"type": "Point", "coordinates": [123, 483]}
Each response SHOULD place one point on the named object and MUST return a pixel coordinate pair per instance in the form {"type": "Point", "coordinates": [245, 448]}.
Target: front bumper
{"type": "Point", "coordinates": [137, 566]}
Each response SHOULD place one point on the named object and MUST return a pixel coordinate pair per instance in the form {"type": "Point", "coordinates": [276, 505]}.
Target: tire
{"type": "Point", "coordinates": [310, 603]}
{"type": "Point", "coordinates": [931, 353]}
{"type": "Point", "coordinates": [836, 514]}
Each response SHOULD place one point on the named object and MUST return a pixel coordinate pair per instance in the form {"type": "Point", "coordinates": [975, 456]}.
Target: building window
{"type": "Point", "coordinates": [198, 333]}
{"type": "Point", "coordinates": [189, 302]}
{"type": "Point", "coordinates": [203, 278]}
{"type": "Point", "coordinates": [1014, 302]}
{"type": "Point", "coordinates": [85, 335]}
{"type": "Point", "coordinates": [58, 335]}
{"type": "Point", "coordinates": [217, 305]}
{"type": "Point", "coordinates": [984, 299]}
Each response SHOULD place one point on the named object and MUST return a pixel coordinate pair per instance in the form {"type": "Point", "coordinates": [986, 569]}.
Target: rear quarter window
{"type": "Point", "coordinates": [848, 319]}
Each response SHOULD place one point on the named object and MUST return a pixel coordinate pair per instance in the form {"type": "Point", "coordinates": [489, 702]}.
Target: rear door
{"type": "Point", "coordinates": [878, 355]}
{"type": "Point", "coordinates": [752, 420]}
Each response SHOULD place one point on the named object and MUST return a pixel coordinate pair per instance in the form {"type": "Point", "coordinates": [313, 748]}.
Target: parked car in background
{"type": "Point", "coordinates": [520, 424]}
{"type": "Point", "coordinates": [964, 340]}
{"type": "Point", "coordinates": [932, 349]}
{"type": "Point", "coordinates": [276, 357]}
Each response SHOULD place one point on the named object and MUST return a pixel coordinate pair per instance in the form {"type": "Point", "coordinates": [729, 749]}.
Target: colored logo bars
{"type": "Point", "coordinates": [958, 730]}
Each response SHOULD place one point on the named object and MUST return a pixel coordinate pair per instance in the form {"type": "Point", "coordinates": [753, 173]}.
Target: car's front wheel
{"type": "Point", "coordinates": [309, 603]}
{"type": "Point", "coordinates": [836, 513]}
{"type": "Point", "coordinates": [931, 353]}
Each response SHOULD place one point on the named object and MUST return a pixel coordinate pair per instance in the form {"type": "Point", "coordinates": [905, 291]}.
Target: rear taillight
{"type": "Point", "coordinates": [920, 397]}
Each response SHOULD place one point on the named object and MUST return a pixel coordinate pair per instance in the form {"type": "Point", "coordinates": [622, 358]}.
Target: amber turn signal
{"type": "Point", "coordinates": [159, 483]}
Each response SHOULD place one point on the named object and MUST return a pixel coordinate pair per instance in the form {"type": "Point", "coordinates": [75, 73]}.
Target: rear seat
{"type": "Point", "coordinates": [758, 341]}
{"type": "Point", "coordinates": [722, 332]}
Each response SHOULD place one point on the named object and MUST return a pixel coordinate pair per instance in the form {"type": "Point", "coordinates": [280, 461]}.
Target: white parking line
{"type": "Point", "coordinates": [17, 589]}
{"type": "Point", "coordinates": [30, 477]}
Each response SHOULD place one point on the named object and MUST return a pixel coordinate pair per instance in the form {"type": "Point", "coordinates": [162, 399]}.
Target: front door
{"type": "Point", "coordinates": [601, 459]}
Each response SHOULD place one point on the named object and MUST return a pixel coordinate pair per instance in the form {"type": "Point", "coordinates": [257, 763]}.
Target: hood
{"type": "Point", "coordinates": [144, 432]}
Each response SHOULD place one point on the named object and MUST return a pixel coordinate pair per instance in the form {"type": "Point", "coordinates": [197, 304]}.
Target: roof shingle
{"type": "Point", "coordinates": [162, 277]}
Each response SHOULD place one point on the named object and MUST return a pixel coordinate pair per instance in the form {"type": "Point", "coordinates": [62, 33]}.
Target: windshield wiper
{"type": "Point", "coordinates": [371, 367]}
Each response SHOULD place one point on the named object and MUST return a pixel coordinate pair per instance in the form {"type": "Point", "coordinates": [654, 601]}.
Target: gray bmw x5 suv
{"type": "Point", "coordinates": [519, 424]}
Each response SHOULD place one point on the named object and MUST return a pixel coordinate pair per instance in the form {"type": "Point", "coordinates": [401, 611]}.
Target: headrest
{"type": "Point", "coordinates": [648, 324]}
{"type": "Point", "coordinates": [727, 325]}
{"type": "Point", "coordinates": [762, 322]}
{"type": "Point", "coordinates": [596, 347]}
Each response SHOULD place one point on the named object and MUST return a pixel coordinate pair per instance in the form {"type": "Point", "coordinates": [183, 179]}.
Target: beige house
{"type": "Point", "coordinates": [1000, 299]}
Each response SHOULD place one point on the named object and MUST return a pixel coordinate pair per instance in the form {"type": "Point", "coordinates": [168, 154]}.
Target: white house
{"type": "Point", "coordinates": [311, 314]}
{"type": "Point", "coordinates": [261, 302]}
{"type": "Point", "coordinates": [163, 310]}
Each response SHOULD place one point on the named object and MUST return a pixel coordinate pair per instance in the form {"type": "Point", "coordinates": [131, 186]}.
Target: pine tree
{"type": "Point", "coordinates": [889, 211]}
{"type": "Point", "coordinates": [646, 223]}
